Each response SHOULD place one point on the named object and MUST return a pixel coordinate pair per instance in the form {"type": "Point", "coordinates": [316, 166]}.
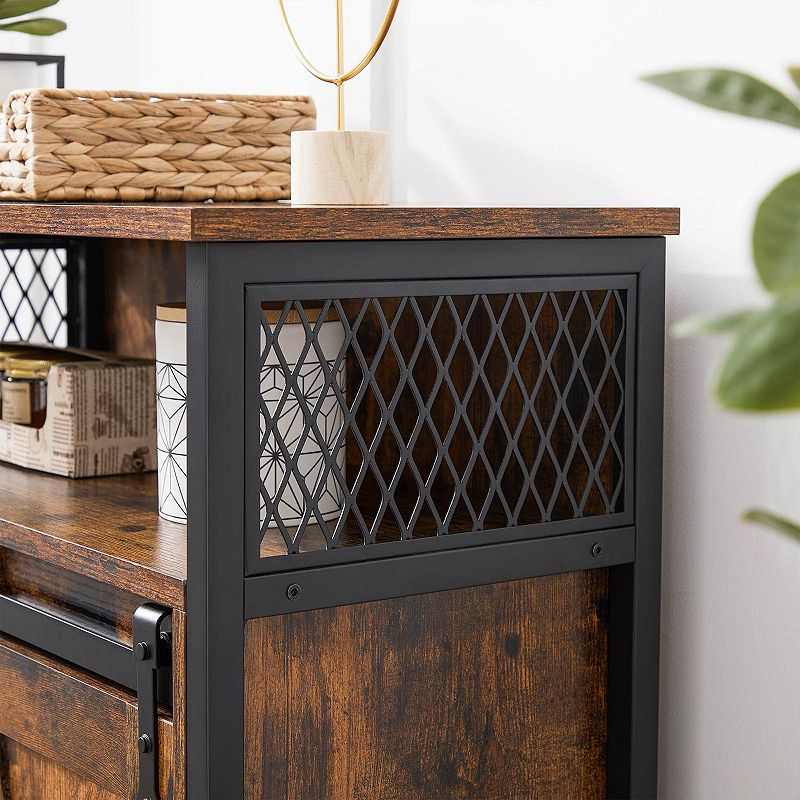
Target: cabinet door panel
{"type": "Point", "coordinates": [26, 775]}
{"type": "Point", "coordinates": [488, 693]}
{"type": "Point", "coordinates": [74, 720]}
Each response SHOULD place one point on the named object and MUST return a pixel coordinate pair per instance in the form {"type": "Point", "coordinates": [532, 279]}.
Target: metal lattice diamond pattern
{"type": "Point", "coordinates": [33, 295]}
{"type": "Point", "coordinates": [456, 413]}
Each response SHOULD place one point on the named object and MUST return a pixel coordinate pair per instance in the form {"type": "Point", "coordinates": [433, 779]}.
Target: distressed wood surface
{"type": "Point", "coordinates": [75, 719]}
{"type": "Point", "coordinates": [284, 222]}
{"type": "Point", "coordinates": [179, 703]}
{"type": "Point", "coordinates": [101, 607]}
{"type": "Point", "coordinates": [136, 275]}
{"type": "Point", "coordinates": [27, 775]}
{"type": "Point", "coordinates": [107, 529]}
{"type": "Point", "coordinates": [489, 693]}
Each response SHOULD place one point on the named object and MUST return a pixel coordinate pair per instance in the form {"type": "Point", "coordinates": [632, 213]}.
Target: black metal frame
{"type": "Point", "coordinates": [40, 60]}
{"type": "Point", "coordinates": [223, 281]}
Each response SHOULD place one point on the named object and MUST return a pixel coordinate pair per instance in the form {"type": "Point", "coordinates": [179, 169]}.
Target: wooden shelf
{"type": "Point", "coordinates": [103, 528]}
{"type": "Point", "coordinates": [207, 222]}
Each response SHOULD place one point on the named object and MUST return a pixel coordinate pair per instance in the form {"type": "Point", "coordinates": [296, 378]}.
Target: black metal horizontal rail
{"type": "Point", "coordinates": [68, 640]}
{"type": "Point", "coordinates": [382, 579]}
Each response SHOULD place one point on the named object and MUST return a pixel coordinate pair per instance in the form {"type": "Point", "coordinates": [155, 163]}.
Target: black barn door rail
{"type": "Point", "coordinates": [67, 640]}
{"type": "Point", "coordinates": [144, 668]}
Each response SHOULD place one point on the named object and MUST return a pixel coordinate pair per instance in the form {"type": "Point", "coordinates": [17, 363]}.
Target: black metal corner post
{"type": "Point", "coordinates": [215, 591]}
{"type": "Point", "coordinates": [635, 601]}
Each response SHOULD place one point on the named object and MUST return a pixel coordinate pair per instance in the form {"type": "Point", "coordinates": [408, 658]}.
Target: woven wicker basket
{"type": "Point", "coordinates": [59, 144]}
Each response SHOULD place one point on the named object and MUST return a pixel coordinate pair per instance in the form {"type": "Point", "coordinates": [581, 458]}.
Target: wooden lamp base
{"type": "Point", "coordinates": [340, 168]}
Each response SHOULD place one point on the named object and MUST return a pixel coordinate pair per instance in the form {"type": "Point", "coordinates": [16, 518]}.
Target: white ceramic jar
{"type": "Point", "coordinates": [171, 410]}
{"type": "Point", "coordinates": [291, 424]}
{"type": "Point", "coordinates": [309, 456]}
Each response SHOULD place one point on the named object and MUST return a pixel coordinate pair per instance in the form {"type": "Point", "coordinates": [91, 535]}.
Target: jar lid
{"type": "Point", "coordinates": [171, 312]}
{"type": "Point", "coordinates": [6, 354]}
{"type": "Point", "coordinates": [274, 310]}
{"type": "Point", "coordinates": [26, 367]}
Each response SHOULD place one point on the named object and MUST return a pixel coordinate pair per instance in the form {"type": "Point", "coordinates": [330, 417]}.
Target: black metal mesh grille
{"type": "Point", "coordinates": [33, 294]}
{"type": "Point", "coordinates": [385, 419]}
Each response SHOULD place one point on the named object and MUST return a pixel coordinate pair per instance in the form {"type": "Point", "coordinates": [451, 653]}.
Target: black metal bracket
{"type": "Point", "coordinates": [152, 651]}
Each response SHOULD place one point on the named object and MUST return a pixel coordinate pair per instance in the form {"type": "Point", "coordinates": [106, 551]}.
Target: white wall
{"type": "Point", "coordinates": [538, 102]}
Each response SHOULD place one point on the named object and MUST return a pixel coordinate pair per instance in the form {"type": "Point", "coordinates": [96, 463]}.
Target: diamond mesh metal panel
{"type": "Point", "coordinates": [388, 419]}
{"type": "Point", "coordinates": [33, 294]}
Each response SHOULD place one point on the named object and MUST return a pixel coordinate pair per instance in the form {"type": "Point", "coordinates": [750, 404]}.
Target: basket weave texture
{"type": "Point", "coordinates": [60, 144]}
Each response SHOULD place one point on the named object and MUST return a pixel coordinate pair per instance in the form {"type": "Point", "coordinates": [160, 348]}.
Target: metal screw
{"type": "Point", "coordinates": [597, 549]}
{"type": "Point", "coordinates": [166, 637]}
{"type": "Point", "coordinates": [145, 744]}
{"type": "Point", "coordinates": [141, 652]}
{"type": "Point", "coordinates": [293, 592]}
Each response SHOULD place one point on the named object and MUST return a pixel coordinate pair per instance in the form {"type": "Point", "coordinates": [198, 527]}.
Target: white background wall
{"type": "Point", "coordinates": [538, 102]}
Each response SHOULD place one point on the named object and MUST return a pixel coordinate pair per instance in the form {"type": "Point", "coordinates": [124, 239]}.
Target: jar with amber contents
{"type": "Point", "coordinates": [24, 389]}
{"type": "Point", "coordinates": [6, 352]}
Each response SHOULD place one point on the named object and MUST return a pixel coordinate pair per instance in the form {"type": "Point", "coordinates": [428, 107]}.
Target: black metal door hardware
{"type": "Point", "coordinates": [66, 639]}
{"type": "Point", "coordinates": [146, 668]}
{"type": "Point", "coordinates": [152, 651]}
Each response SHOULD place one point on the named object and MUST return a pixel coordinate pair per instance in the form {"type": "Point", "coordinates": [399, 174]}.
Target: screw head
{"type": "Point", "coordinates": [293, 592]}
{"type": "Point", "coordinates": [141, 652]}
{"type": "Point", "coordinates": [144, 744]}
{"type": "Point", "coordinates": [597, 549]}
{"type": "Point", "coordinates": [165, 637]}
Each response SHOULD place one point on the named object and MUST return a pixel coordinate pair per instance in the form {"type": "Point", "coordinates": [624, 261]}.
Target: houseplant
{"type": "Point", "coordinates": [23, 69]}
{"type": "Point", "coordinates": [761, 370]}
{"type": "Point", "coordinates": [16, 12]}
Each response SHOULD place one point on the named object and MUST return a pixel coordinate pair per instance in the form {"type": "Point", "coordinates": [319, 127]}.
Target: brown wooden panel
{"type": "Point", "coordinates": [179, 702]}
{"type": "Point", "coordinates": [102, 607]}
{"type": "Point", "coordinates": [107, 529]}
{"type": "Point", "coordinates": [137, 275]}
{"type": "Point", "coordinates": [75, 719]}
{"type": "Point", "coordinates": [26, 775]}
{"type": "Point", "coordinates": [284, 222]}
{"type": "Point", "coordinates": [488, 693]}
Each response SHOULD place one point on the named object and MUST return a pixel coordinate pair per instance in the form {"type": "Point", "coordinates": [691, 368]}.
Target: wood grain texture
{"type": "Point", "coordinates": [284, 222]}
{"type": "Point", "coordinates": [137, 274]}
{"type": "Point", "coordinates": [107, 529]}
{"type": "Point", "coordinates": [101, 607]}
{"type": "Point", "coordinates": [179, 702]}
{"type": "Point", "coordinates": [75, 719]}
{"type": "Point", "coordinates": [112, 220]}
{"type": "Point", "coordinates": [31, 776]}
{"type": "Point", "coordinates": [489, 693]}
{"type": "Point", "coordinates": [340, 167]}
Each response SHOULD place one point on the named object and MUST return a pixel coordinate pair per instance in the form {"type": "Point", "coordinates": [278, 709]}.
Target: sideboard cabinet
{"type": "Point", "coordinates": [455, 598]}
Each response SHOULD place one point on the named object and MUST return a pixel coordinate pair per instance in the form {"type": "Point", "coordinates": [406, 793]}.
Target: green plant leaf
{"type": "Point", "coordinates": [40, 26]}
{"type": "Point", "coordinates": [770, 520]}
{"type": "Point", "coordinates": [776, 236]}
{"type": "Point", "coordinates": [762, 370]}
{"type": "Point", "coordinates": [794, 74]}
{"type": "Point", "coordinates": [720, 323]}
{"type": "Point", "coordinates": [729, 90]}
{"type": "Point", "coordinates": [16, 8]}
